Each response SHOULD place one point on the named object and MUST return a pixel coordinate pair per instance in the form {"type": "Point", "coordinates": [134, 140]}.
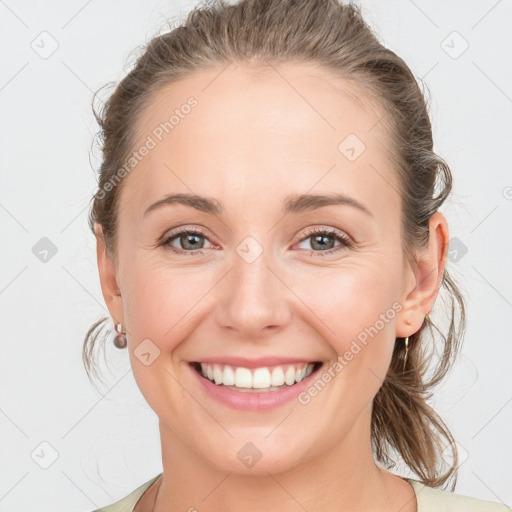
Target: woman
{"type": "Point", "coordinates": [269, 245]}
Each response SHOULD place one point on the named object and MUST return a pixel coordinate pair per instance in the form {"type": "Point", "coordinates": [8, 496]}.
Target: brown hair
{"type": "Point", "coordinates": [335, 36]}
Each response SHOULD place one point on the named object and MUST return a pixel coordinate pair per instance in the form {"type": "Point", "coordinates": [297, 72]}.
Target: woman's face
{"type": "Point", "coordinates": [257, 282]}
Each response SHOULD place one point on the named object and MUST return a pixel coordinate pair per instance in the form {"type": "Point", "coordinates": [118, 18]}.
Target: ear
{"type": "Point", "coordinates": [424, 278]}
{"type": "Point", "coordinates": [108, 280]}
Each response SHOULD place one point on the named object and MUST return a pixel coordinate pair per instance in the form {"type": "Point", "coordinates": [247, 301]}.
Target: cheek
{"type": "Point", "coordinates": [161, 306]}
{"type": "Point", "coordinates": [353, 299]}
{"type": "Point", "coordinates": [358, 307]}
{"type": "Point", "coordinates": [161, 301]}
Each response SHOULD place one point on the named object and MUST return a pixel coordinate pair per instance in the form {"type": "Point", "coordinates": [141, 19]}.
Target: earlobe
{"type": "Point", "coordinates": [108, 278]}
{"type": "Point", "coordinates": [428, 274]}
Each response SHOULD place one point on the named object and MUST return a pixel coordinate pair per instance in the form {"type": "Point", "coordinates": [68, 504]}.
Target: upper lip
{"type": "Point", "coordinates": [245, 362]}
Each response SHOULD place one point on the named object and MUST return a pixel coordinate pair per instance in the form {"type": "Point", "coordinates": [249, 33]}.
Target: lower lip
{"type": "Point", "coordinates": [253, 401]}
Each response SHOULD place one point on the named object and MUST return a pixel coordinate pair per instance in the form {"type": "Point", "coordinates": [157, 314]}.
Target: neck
{"type": "Point", "coordinates": [342, 477]}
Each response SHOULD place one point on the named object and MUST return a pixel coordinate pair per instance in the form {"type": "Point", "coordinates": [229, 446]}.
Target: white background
{"type": "Point", "coordinates": [108, 445]}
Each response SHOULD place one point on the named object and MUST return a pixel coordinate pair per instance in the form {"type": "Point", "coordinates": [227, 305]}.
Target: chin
{"type": "Point", "coordinates": [255, 458]}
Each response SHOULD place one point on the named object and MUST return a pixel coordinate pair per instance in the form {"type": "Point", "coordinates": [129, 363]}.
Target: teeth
{"type": "Point", "coordinates": [277, 376]}
{"type": "Point", "coordinates": [243, 378]}
{"type": "Point", "coordinates": [217, 374]}
{"type": "Point", "coordinates": [228, 378]}
{"type": "Point", "coordinates": [289, 376]}
{"type": "Point", "coordinates": [261, 378]}
{"type": "Point", "coordinates": [267, 379]}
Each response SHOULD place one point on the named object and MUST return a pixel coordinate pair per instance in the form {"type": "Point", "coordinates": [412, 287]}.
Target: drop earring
{"type": "Point", "coordinates": [120, 340]}
{"type": "Point", "coordinates": [406, 341]}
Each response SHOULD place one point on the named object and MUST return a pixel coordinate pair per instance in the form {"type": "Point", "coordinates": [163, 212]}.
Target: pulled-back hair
{"type": "Point", "coordinates": [336, 37]}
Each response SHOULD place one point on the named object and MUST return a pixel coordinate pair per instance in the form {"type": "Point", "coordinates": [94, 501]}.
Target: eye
{"type": "Point", "coordinates": [320, 239]}
{"type": "Point", "coordinates": [191, 240]}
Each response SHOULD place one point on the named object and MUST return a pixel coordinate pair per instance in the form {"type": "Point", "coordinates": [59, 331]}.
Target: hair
{"type": "Point", "coordinates": [336, 37]}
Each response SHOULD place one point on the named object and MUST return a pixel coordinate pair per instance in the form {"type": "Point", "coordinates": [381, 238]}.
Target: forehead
{"type": "Point", "coordinates": [262, 132]}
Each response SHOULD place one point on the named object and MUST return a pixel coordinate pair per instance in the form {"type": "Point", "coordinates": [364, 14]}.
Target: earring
{"type": "Point", "coordinates": [120, 340]}
{"type": "Point", "coordinates": [406, 341]}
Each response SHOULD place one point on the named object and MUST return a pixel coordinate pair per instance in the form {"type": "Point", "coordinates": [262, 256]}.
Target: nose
{"type": "Point", "coordinates": [254, 300]}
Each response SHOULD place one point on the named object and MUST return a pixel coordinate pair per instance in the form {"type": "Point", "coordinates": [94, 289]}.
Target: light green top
{"type": "Point", "coordinates": [429, 500]}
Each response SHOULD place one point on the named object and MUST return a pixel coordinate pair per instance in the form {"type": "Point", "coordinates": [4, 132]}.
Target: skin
{"type": "Point", "coordinates": [255, 137]}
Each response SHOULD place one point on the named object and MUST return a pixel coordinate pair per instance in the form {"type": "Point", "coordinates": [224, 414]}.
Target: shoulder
{"type": "Point", "coordinates": [128, 503]}
{"type": "Point", "coordinates": [438, 500]}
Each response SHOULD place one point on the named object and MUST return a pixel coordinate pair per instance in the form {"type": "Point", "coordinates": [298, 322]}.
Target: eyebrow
{"type": "Point", "coordinates": [293, 204]}
{"type": "Point", "coordinates": [308, 202]}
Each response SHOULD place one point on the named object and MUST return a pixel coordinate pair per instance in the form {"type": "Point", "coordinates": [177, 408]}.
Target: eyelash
{"type": "Point", "coordinates": [332, 233]}
{"type": "Point", "coordinates": [345, 241]}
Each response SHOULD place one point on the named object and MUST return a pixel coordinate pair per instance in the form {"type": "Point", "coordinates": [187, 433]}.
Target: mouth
{"type": "Point", "coordinates": [255, 380]}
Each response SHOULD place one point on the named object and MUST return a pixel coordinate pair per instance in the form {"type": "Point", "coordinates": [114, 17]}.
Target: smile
{"type": "Point", "coordinates": [263, 379]}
